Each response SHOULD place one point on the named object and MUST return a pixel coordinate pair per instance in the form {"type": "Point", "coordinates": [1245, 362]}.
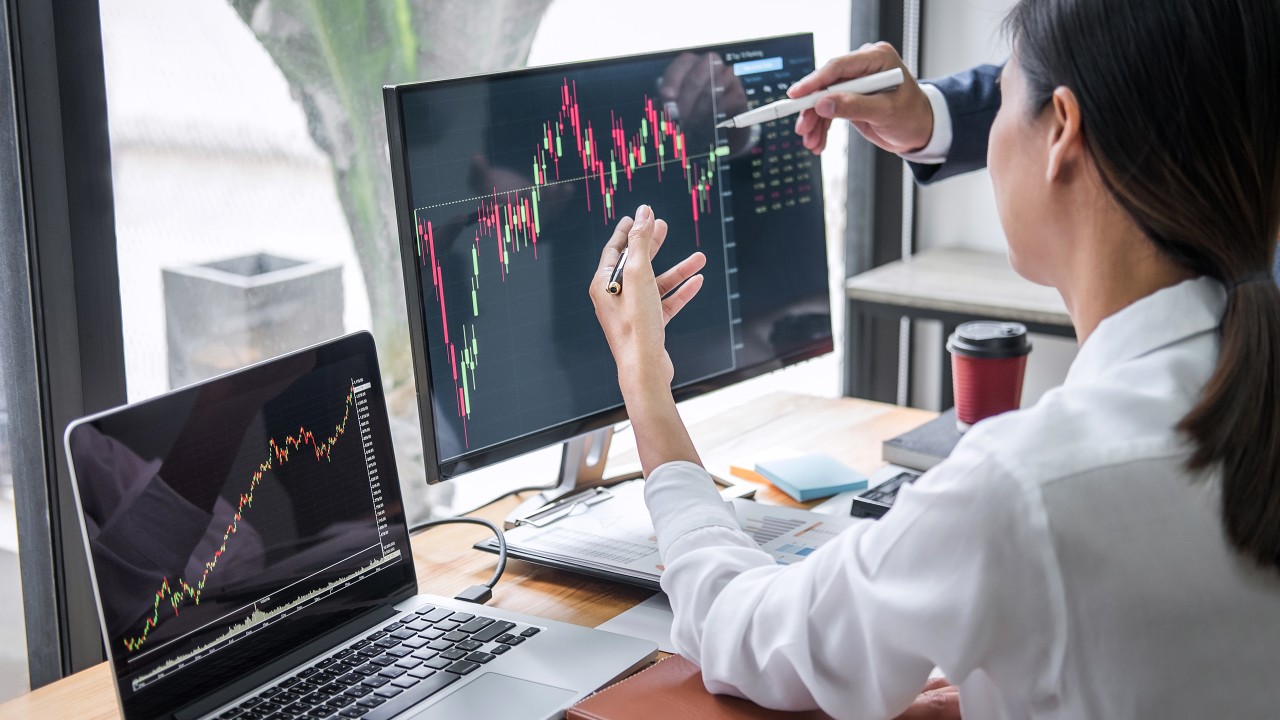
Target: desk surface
{"type": "Point", "coordinates": [961, 281]}
{"type": "Point", "coordinates": [849, 429]}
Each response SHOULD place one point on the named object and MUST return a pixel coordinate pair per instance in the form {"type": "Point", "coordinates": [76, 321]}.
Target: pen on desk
{"type": "Point", "coordinates": [615, 278]}
{"type": "Point", "coordinates": [879, 82]}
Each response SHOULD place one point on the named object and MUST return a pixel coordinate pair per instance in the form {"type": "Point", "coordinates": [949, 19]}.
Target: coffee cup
{"type": "Point", "coordinates": [988, 363]}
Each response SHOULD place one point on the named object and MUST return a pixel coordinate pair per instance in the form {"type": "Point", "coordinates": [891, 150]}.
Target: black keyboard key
{"type": "Point", "coordinates": [417, 625]}
{"type": "Point", "coordinates": [439, 663]}
{"type": "Point", "coordinates": [499, 649]}
{"type": "Point", "coordinates": [440, 644]}
{"type": "Point", "coordinates": [453, 654]}
{"type": "Point", "coordinates": [481, 657]}
{"type": "Point", "coordinates": [250, 703]}
{"type": "Point", "coordinates": [461, 617]}
{"type": "Point", "coordinates": [469, 645]}
{"type": "Point", "coordinates": [402, 634]}
{"type": "Point", "coordinates": [448, 625]}
{"type": "Point", "coordinates": [425, 654]}
{"type": "Point", "coordinates": [371, 702]}
{"type": "Point", "coordinates": [231, 714]}
{"type": "Point", "coordinates": [287, 696]}
{"type": "Point", "coordinates": [271, 692]}
{"type": "Point", "coordinates": [505, 638]}
{"type": "Point", "coordinates": [530, 631]}
{"type": "Point", "coordinates": [371, 651]}
{"type": "Point", "coordinates": [414, 642]}
{"type": "Point", "coordinates": [431, 634]}
{"type": "Point", "coordinates": [462, 667]}
{"type": "Point", "coordinates": [321, 711]}
{"type": "Point", "coordinates": [351, 662]}
{"type": "Point", "coordinates": [383, 660]}
{"type": "Point", "coordinates": [268, 706]}
{"type": "Point", "coordinates": [405, 682]}
{"type": "Point", "coordinates": [367, 669]}
{"type": "Point", "coordinates": [387, 642]}
{"type": "Point", "coordinates": [339, 701]}
{"type": "Point", "coordinates": [375, 636]}
{"type": "Point", "coordinates": [399, 651]}
{"type": "Point", "coordinates": [343, 653]}
{"type": "Point", "coordinates": [350, 679]}
{"type": "Point", "coordinates": [455, 636]}
{"type": "Point", "coordinates": [515, 640]}
{"type": "Point", "coordinates": [388, 691]}
{"type": "Point", "coordinates": [309, 672]}
{"type": "Point", "coordinates": [437, 615]}
{"type": "Point", "coordinates": [493, 631]}
{"type": "Point", "coordinates": [391, 672]}
{"type": "Point", "coordinates": [358, 691]}
{"type": "Point", "coordinates": [375, 681]}
{"type": "Point", "coordinates": [359, 645]}
{"type": "Point", "coordinates": [475, 624]}
{"type": "Point", "coordinates": [392, 627]}
{"type": "Point", "coordinates": [354, 712]}
{"type": "Point", "coordinates": [413, 696]}
{"type": "Point", "coordinates": [427, 610]}
{"type": "Point", "coordinates": [422, 672]}
{"type": "Point", "coordinates": [290, 681]}
{"type": "Point", "coordinates": [409, 663]}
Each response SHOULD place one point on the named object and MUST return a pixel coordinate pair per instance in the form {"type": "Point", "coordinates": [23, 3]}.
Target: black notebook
{"type": "Point", "coordinates": [925, 446]}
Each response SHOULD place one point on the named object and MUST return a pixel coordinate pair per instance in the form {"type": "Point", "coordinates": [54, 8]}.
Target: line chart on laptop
{"type": "Point", "coordinates": [196, 615]}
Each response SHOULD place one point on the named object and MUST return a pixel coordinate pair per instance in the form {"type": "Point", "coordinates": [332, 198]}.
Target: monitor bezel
{"type": "Point", "coordinates": [437, 471]}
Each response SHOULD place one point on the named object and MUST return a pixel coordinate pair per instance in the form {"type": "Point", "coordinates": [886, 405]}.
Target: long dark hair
{"type": "Point", "coordinates": [1180, 108]}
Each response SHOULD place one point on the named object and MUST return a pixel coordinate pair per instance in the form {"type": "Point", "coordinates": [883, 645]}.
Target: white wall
{"type": "Point", "coordinates": [961, 211]}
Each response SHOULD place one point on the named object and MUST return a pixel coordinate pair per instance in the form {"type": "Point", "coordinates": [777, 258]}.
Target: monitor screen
{"type": "Point", "coordinates": [233, 521]}
{"type": "Point", "coordinates": [507, 187]}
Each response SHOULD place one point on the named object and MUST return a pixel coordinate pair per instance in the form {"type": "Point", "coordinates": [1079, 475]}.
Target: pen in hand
{"type": "Point", "coordinates": [615, 278]}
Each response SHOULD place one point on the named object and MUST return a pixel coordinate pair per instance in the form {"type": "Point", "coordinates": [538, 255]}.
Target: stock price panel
{"type": "Point", "coordinates": [516, 181]}
{"type": "Point", "coordinates": [217, 513]}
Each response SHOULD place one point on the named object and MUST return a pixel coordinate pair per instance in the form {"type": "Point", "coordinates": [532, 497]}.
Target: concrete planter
{"type": "Point", "coordinates": [224, 315]}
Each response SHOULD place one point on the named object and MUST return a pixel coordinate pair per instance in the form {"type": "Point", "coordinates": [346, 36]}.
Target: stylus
{"type": "Point", "coordinates": [615, 278]}
{"type": "Point", "coordinates": [879, 82]}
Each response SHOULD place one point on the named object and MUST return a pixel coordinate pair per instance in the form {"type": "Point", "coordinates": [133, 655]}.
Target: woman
{"type": "Point", "coordinates": [1113, 551]}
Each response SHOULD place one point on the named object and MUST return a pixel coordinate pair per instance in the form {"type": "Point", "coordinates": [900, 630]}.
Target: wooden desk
{"type": "Point", "coordinates": [952, 285]}
{"type": "Point", "coordinates": [849, 429]}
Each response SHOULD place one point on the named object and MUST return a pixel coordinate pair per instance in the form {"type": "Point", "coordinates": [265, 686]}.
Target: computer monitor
{"type": "Point", "coordinates": [507, 186]}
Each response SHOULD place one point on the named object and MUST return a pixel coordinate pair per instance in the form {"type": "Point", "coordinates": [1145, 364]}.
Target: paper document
{"type": "Point", "coordinates": [615, 537]}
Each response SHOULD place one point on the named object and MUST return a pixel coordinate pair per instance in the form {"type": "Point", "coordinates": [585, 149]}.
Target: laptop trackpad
{"type": "Point", "coordinates": [498, 696]}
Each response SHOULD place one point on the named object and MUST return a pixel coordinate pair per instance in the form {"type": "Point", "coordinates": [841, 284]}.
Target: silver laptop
{"type": "Point", "coordinates": [250, 559]}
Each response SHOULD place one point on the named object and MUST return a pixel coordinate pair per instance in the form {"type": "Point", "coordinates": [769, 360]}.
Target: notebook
{"type": "Point", "coordinates": [250, 559]}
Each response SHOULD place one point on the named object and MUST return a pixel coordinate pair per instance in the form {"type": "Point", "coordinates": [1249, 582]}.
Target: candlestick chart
{"type": "Point", "coordinates": [173, 596]}
{"type": "Point", "coordinates": [604, 155]}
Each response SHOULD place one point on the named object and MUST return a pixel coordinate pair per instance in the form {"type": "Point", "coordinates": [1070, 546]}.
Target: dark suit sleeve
{"type": "Point", "coordinates": [973, 98]}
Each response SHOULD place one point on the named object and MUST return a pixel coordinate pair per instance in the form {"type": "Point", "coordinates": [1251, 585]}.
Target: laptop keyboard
{"type": "Point", "coordinates": [388, 670]}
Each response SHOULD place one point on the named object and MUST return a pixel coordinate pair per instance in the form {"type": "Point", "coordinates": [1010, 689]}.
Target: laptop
{"type": "Point", "coordinates": [250, 559]}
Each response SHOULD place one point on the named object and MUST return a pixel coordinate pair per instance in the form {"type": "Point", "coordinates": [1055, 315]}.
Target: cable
{"type": "Point", "coordinates": [476, 593]}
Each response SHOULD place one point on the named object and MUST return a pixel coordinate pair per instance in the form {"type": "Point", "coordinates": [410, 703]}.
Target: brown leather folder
{"type": "Point", "coordinates": [672, 688]}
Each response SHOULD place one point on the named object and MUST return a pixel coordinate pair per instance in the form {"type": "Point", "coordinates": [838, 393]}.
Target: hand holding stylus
{"type": "Point", "coordinates": [900, 121]}
{"type": "Point", "coordinates": [634, 321]}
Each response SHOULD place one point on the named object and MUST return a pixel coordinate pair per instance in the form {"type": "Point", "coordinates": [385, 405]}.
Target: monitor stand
{"type": "Point", "coordinates": [582, 462]}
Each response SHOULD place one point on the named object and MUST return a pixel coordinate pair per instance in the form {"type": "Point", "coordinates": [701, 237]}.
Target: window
{"type": "Point", "coordinates": [253, 209]}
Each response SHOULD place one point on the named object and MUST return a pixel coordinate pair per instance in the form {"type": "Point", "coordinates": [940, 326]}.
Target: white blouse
{"type": "Point", "coordinates": [1062, 563]}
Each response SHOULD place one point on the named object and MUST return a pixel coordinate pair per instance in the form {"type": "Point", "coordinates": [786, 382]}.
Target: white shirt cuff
{"type": "Point", "coordinates": [682, 498]}
{"type": "Point", "coordinates": [935, 153]}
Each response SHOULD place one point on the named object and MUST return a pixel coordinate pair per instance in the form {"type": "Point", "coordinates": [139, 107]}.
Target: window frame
{"type": "Point", "coordinates": [69, 329]}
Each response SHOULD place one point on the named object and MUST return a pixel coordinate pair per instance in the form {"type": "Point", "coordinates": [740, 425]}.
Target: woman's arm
{"type": "Point", "coordinates": [634, 322]}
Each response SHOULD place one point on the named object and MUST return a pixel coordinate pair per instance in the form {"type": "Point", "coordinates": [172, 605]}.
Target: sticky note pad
{"type": "Point", "coordinates": [811, 476]}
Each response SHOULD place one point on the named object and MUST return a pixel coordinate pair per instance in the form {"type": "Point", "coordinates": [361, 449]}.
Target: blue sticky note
{"type": "Point", "coordinates": [811, 476]}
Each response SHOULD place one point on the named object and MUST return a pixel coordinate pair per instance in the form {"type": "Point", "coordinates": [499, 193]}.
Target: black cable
{"type": "Point", "coordinates": [476, 593]}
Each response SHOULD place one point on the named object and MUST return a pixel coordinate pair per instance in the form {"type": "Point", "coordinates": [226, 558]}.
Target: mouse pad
{"type": "Point", "coordinates": [499, 696]}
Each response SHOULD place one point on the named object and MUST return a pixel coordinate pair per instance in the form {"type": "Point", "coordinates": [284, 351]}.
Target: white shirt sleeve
{"type": "Point", "coordinates": [953, 576]}
{"type": "Point", "coordinates": [935, 153]}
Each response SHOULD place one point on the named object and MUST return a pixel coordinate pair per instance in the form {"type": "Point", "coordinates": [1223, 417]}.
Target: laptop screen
{"type": "Point", "coordinates": [230, 522]}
